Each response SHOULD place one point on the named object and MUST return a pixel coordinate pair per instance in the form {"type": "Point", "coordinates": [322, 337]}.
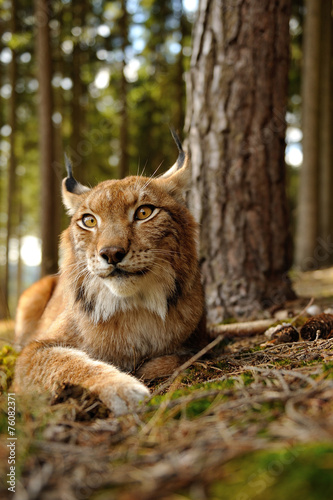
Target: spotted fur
{"type": "Point", "coordinates": [142, 314]}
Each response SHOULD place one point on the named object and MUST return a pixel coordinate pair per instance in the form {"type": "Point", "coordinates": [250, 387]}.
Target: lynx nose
{"type": "Point", "coordinates": [113, 255]}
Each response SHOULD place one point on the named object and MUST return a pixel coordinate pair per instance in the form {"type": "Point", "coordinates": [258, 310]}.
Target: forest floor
{"type": "Point", "coordinates": [254, 420]}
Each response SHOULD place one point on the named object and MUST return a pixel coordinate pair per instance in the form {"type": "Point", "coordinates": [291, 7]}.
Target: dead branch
{"type": "Point", "coordinates": [244, 329]}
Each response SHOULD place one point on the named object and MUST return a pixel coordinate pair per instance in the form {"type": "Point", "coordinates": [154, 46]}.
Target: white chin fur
{"type": "Point", "coordinates": [123, 287]}
{"type": "Point", "coordinates": [150, 292]}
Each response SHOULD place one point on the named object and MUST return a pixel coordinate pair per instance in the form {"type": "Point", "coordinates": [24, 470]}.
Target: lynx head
{"type": "Point", "coordinates": [132, 237]}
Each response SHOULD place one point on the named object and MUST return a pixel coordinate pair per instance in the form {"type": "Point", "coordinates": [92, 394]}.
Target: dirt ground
{"type": "Point", "coordinates": [251, 420]}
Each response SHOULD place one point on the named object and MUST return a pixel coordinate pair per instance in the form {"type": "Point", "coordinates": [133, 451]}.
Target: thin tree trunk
{"type": "Point", "coordinates": [4, 312]}
{"type": "Point", "coordinates": [77, 115]}
{"type": "Point", "coordinates": [331, 109]}
{"type": "Point", "coordinates": [179, 81]}
{"type": "Point", "coordinates": [326, 129]}
{"type": "Point", "coordinates": [19, 238]}
{"type": "Point", "coordinates": [12, 160]}
{"type": "Point", "coordinates": [123, 162]}
{"type": "Point", "coordinates": [307, 226]}
{"type": "Point", "coordinates": [237, 96]}
{"type": "Point", "coordinates": [49, 182]}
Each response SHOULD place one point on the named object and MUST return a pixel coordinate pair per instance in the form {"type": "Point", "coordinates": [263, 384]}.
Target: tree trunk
{"type": "Point", "coordinates": [123, 162]}
{"type": "Point", "coordinates": [237, 96]}
{"type": "Point", "coordinates": [179, 75]}
{"type": "Point", "coordinates": [79, 8]}
{"type": "Point", "coordinates": [326, 129]}
{"type": "Point", "coordinates": [12, 160]}
{"type": "Point", "coordinates": [307, 226]}
{"type": "Point", "coordinates": [19, 276]}
{"type": "Point", "coordinates": [49, 183]}
{"type": "Point", "coordinates": [4, 312]}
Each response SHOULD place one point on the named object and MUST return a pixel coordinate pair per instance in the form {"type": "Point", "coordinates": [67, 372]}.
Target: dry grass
{"type": "Point", "coordinates": [247, 422]}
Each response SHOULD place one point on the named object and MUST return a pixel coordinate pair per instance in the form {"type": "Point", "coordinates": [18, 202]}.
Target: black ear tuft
{"type": "Point", "coordinates": [70, 182]}
{"type": "Point", "coordinates": [181, 155]}
{"type": "Point", "coordinates": [69, 166]}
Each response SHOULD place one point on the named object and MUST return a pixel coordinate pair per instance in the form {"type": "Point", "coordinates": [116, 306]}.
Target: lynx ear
{"type": "Point", "coordinates": [177, 179]}
{"type": "Point", "coordinates": [71, 189]}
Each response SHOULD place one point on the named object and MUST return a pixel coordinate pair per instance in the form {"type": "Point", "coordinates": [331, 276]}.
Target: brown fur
{"type": "Point", "coordinates": [88, 327]}
{"type": "Point", "coordinates": [31, 307]}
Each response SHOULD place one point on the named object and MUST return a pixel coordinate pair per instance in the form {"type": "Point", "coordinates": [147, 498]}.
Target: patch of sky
{"type": "Point", "coordinates": [174, 47]}
{"type": "Point", "coordinates": [191, 5]}
{"type": "Point", "coordinates": [6, 55]}
{"type": "Point", "coordinates": [66, 83]}
{"type": "Point", "coordinates": [25, 57]}
{"type": "Point", "coordinates": [104, 30]}
{"type": "Point", "coordinates": [6, 91]}
{"type": "Point", "coordinates": [133, 6]}
{"type": "Point", "coordinates": [6, 130]}
{"type": "Point", "coordinates": [140, 17]}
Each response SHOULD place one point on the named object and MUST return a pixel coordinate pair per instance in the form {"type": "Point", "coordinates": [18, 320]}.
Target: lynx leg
{"type": "Point", "coordinates": [44, 366]}
{"type": "Point", "coordinates": [163, 366]}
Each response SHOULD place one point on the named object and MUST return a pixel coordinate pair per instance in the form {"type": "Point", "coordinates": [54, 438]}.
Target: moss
{"type": "Point", "coordinates": [328, 367]}
{"type": "Point", "coordinates": [227, 321]}
{"type": "Point", "coordinates": [282, 362]}
{"type": "Point", "coordinates": [247, 378]}
{"type": "Point", "coordinates": [194, 409]}
{"type": "Point", "coordinates": [299, 472]}
{"type": "Point", "coordinates": [7, 364]}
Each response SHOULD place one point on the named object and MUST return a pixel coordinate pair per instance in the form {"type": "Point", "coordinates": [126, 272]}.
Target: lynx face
{"type": "Point", "coordinates": [125, 234]}
{"type": "Point", "coordinates": [133, 238]}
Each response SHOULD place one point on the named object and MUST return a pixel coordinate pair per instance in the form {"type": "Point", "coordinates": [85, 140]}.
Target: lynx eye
{"type": "Point", "coordinates": [144, 212]}
{"type": "Point", "coordinates": [89, 221]}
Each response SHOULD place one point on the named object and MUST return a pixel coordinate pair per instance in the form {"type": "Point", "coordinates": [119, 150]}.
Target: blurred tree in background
{"type": "Point", "coordinates": [50, 206]}
{"type": "Point", "coordinates": [314, 244]}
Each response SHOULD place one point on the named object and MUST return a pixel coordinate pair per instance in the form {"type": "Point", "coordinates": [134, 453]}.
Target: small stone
{"type": "Point", "coordinates": [282, 314]}
{"type": "Point", "coordinates": [313, 310]}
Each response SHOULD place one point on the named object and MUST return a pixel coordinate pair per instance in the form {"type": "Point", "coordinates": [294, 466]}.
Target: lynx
{"type": "Point", "coordinates": [128, 302]}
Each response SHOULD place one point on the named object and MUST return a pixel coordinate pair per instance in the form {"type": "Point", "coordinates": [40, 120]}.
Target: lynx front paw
{"type": "Point", "coordinates": [123, 394]}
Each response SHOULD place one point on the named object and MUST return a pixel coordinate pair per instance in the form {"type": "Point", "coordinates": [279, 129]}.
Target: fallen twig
{"type": "Point", "coordinates": [247, 328]}
{"type": "Point", "coordinates": [279, 372]}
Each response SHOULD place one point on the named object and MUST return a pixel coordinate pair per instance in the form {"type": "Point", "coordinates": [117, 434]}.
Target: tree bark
{"type": "Point", "coordinates": [326, 127]}
{"type": "Point", "coordinates": [12, 160]}
{"type": "Point", "coordinates": [50, 220]}
{"type": "Point", "coordinates": [307, 225]}
{"type": "Point", "coordinates": [79, 9]}
{"type": "Point", "coordinates": [19, 276]}
{"type": "Point", "coordinates": [123, 161]}
{"type": "Point", "coordinates": [4, 312]}
{"type": "Point", "coordinates": [237, 96]}
{"type": "Point", "coordinates": [179, 75]}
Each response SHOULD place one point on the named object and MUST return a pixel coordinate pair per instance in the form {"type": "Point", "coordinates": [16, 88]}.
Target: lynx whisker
{"type": "Point", "coordinates": [151, 178]}
{"type": "Point", "coordinates": [164, 252]}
